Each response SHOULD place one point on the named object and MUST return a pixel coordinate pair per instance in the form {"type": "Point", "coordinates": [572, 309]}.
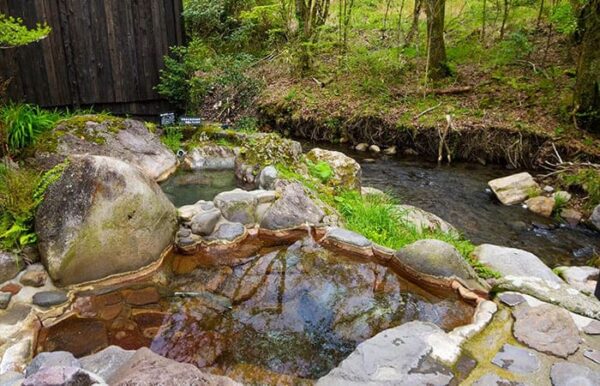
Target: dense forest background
{"type": "Point", "coordinates": [410, 63]}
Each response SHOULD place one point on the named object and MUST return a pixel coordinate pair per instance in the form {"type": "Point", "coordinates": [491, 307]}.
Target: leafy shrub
{"type": "Point", "coordinates": [269, 149]}
{"type": "Point", "coordinates": [14, 33]}
{"type": "Point", "coordinates": [517, 46]}
{"type": "Point", "coordinates": [24, 123]}
{"type": "Point", "coordinates": [21, 192]}
{"type": "Point", "coordinates": [246, 125]}
{"type": "Point", "coordinates": [563, 18]}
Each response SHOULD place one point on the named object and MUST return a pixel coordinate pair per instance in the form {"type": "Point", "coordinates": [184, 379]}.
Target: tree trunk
{"type": "Point", "coordinates": [436, 48]}
{"type": "Point", "coordinates": [504, 18]}
{"type": "Point", "coordinates": [414, 28]}
{"type": "Point", "coordinates": [587, 87]}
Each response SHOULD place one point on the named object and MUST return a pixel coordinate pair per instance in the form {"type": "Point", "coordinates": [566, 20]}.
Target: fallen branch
{"type": "Point", "coordinates": [451, 90]}
{"type": "Point", "coordinates": [427, 111]}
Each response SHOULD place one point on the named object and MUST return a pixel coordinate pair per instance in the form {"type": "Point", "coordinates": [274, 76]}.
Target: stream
{"type": "Point", "coordinates": [459, 194]}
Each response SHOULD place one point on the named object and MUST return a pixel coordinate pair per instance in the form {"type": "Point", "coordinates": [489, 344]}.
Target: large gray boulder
{"type": "Point", "coordinates": [294, 208]}
{"type": "Point", "coordinates": [106, 362]}
{"type": "Point", "coordinates": [440, 260]}
{"type": "Point", "coordinates": [148, 368]}
{"type": "Point", "coordinates": [237, 206]}
{"type": "Point", "coordinates": [102, 217]}
{"type": "Point", "coordinates": [572, 374]}
{"type": "Point", "coordinates": [514, 189]}
{"type": "Point", "coordinates": [514, 262]}
{"type": "Point", "coordinates": [346, 171]}
{"type": "Point", "coordinates": [9, 266]}
{"type": "Point", "coordinates": [127, 140]}
{"type": "Point", "coordinates": [397, 356]}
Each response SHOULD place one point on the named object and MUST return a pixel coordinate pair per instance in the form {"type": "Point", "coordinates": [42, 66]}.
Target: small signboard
{"type": "Point", "coordinates": [190, 121]}
{"type": "Point", "coordinates": [167, 119]}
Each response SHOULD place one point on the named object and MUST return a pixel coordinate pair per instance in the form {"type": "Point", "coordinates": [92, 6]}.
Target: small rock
{"type": "Point", "coordinates": [64, 376]}
{"type": "Point", "coordinates": [184, 232]}
{"type": "Point", "coordinates": [142, 297]}
{"type": "Point", "coordinates": [267, 177]}
{"type": "Point", "coordinates": [546, 328]}
{"type": "Point", "coordinates": [375, 149]}
{"type": "Point", "coordinates": [34, 278]}
{"type": "Point", "coordinates": [571, 374]}
{"type": "Point", "coordinates": [571, 216]}
{"type": "Point", "coordinates": [514, 262]}
{"type": "Point", "coordinates": [369, 161]}
{"type": "Point", "coordinates": [264, 196]}
{"type": "Point", "coordinates": [548, 189]}
{"type": "Point", "coordinates": [9, 266]}
{"type": "Point", "coordinates": [410, 152]}
{"type": "Point", "coordinates": [369, 191]}
{"type": "Point", "coordinates": [187, 212]}
{"type": "Point", "coordinates": [50, 359]}
{"type": "Point", "coordinates": [494, 380]}
{"type": "Point", "coordinates": [106, 362]}
{"type": "Point", "coordinates": [518, 226]}
{"type": "Point", "coordinates": [593, 355]}
{"type": "Point", "coordinates": [12, 288]}
{"type": "Point", "coordinates": [423, 221]}
{"type": "Point", "coordinates": [362, 147]}
{"type": "Point", "coordinates": [5, 300]}
{"type": "Point", "coordinates": [294, 208]}
{"type": "Point", "coordinates": [228, 232]}
{"type": "Point", "coordinates": [16, 357]}
{"type": "Point", "coordinates": [48, 299]}
{"type": "Point", "coordinates": [186, 241]}
{"type": "Point", "coordinates": [237, 206]}
{"type": "Point", "coordinates": [513, 189]}
{"type": "Point", "coordinates": [595, 218]}
{"type": "Point", "coordinates": [511, 299]}
{"type": "Point", "coordinates": [580, 278]}
{"type": "Point", "coordinates": [516, 360]}
{"type": "Point", "coordinates": [348, 237]}
{"type": "Point", "coordinates": [541, 205]}
{"type": "Point", "coordinates": [562, 196]}
{"type": "Point", "coordinates": [346, 172]}
{"type": "Point", "coordinates": [392, 150]}
{"type": "Point", "coordinates": [593, 328]}
{"type": "Point", "coordinates": [203, 224]}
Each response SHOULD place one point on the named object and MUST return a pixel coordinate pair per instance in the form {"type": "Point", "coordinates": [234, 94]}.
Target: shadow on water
{"type": "Point", "coordinates": [458, 194]}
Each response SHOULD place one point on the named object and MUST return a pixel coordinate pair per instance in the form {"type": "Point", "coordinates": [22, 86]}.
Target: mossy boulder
{"type": "Point", "coordinates": [102, 217]}
{"type": "Point", "coordinates": [346, 171]}
{"type": "Point", "coordinates": [125, 139]}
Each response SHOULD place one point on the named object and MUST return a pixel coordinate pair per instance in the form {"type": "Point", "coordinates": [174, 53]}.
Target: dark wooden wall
{"type": "Point", "coordinates": [103, 53]}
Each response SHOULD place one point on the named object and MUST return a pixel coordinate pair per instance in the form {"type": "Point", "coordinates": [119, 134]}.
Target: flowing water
{"type": "Point", "coordinates": [285, 315]}
{"type": "Point", "coordinates": [459, 194]}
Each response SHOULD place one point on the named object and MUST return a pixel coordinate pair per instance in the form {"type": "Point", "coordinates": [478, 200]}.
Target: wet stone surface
{"type": "Point", "coordinates": [516, 360]}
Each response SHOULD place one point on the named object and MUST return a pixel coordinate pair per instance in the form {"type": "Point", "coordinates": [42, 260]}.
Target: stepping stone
{"type": "Point", "coordinates": [593, 355]}
{"type": "Point", "coordinates": [228, 232]}
{"type": "Point", "coordinates": [516, 360]}
{"type": "Point", "coordinates": [34, 278]}
{"type": "Point", "coordinates": [570, 374]}
{"type": "Point", "coordinates": [511, 299]}
{"type": "Point", "coordinates": [494, 380]}
{"type": "Point", "coordinates": [49, 298]}
{"type": "Point", "coordinates": [546, 328]}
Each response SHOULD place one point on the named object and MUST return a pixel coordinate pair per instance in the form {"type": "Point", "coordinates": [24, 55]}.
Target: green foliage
{"type": "Point", "coordinates": [13, 33]}
{"type": "Point", "coordinates": [321, 170]}
{"type": "Point", "coordinates": [172, 137]}
{"type": "Point", "coordinates": [586, 179]}
{"type": "Point", "coordinates": [21, 192]}
{"type": "Point", "coordinates": [24, 124]}
{"type": "Point", "coordinates": [517, 46]}
{"type": "Point", "coordinates": [246, 125]}
{"type": "Point", "coordinates": [563, 18]}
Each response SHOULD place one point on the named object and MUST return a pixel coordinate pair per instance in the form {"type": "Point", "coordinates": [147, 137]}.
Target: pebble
{"type": "Point", "coordinates": [362, 147]}
{"type": "Point", "coordinates": [511, 300]}
{"type": "Point", "coordinates": [4, 300]}
{"type": "Point", "coordinates": [374, 149]}
{"type": "Point", "coordinates": [34, 278]}
{"type": "Point", "coordinates": [593, 328]}
{"type": "Point", "coordinates": [12, 288]}
{"type": "Point", "coordinates": [516, 360]}
{"type": "Point", "coordinates": [593, 355]}
{"type": "Point", "coordinates": [48, 299]}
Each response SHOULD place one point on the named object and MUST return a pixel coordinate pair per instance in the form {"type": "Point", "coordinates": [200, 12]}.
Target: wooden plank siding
{"type": "Point", "coordinates": [105, 53]}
